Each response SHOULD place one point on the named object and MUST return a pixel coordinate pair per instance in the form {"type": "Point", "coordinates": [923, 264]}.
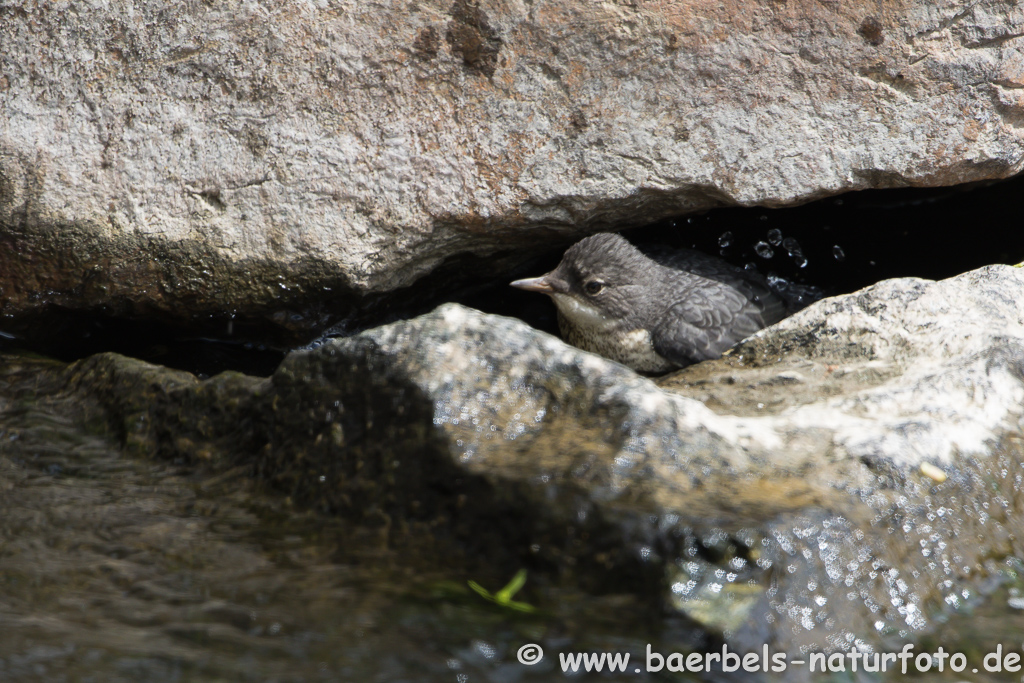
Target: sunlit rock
{"type": "Point", "coordinates": [183, 159]}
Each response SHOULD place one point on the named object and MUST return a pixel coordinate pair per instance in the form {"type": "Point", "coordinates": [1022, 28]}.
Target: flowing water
{"type": "Point", "coordinates": [114, 568]}
{"type": "Point", "coordinates": [124, 568]}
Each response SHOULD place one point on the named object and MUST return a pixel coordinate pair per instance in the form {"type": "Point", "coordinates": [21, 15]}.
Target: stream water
{"type": "Point", "coordinates": [120, 568]}
{"type": "Point", "coordinates": [115, 568]}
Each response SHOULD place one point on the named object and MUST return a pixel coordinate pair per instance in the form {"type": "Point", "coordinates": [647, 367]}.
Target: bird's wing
{"type": "Point", "coordinates": [706, 322]}
{"type": "Point", "coordinates": [775, 305]}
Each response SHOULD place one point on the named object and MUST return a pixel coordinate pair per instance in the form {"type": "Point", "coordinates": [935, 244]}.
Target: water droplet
{"type": "Point", "coordinates": [763, 250]}
{"type": "Point", "coordinates": [792, 247]}
{"type": "Point", "coordinates": [838, 252]}
{"type": "Point", "coordinates": [775, 236]}
{"type": "Point", "coordinates": [725, 240]}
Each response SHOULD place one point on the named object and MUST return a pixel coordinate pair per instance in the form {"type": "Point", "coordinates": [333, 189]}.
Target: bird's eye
{"type": "Point", "coordinates": [593, 287]}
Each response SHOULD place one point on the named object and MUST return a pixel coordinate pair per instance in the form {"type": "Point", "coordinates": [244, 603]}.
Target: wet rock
{"type": "Point", "coordinates": [787, 493]}
{"type": "Point", "coordinates": [164, 157]}
{"type": "Point", "coordinates": [818, 496]}
{"type": "Point", "coordinates": [348, 433]}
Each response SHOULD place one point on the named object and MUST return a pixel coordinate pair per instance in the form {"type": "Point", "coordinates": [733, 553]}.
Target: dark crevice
{"type": "Point", "coordinates": [931, 233]}
{"type": "Point", "coordinates": [849, 242]}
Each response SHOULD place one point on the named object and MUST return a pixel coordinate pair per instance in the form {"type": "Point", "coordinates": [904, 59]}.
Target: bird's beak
{"type": "Point", "coordinates": [535, 284]}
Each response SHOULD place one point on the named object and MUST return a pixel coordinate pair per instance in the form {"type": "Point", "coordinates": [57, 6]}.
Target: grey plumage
{"type": "Point", "coordinates": [659, 312]}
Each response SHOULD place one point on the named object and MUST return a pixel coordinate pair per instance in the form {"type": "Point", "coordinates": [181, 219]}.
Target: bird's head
{"type": "Point", "coordinates": [599, 281]}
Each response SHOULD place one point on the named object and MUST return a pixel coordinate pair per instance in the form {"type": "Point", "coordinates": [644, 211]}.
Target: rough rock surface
{"type": "Point", "coordinates": [791, 507]}
{"type": "Point", "coordinates": [160, 157]}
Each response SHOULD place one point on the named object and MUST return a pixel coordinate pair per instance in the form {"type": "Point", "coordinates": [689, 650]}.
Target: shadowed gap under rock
{"type": "Point", "coordinates": [844, 243]}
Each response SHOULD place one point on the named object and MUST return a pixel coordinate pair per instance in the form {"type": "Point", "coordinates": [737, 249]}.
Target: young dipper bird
{"type": "Point", "coordinates": [657, 313]}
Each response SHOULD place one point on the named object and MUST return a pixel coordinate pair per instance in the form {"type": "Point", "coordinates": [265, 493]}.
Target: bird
{"type": "Point", "coordinates": [658, 312]}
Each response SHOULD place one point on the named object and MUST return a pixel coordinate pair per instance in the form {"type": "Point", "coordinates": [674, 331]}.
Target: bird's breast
{"type": "Point", "coordinates": [631, 347]}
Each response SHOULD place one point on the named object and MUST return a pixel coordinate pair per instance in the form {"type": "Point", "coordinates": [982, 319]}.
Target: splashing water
{"type": "Point", "coordinates": [793, 248]}
{"type": "Point", "coordinates": [763, 250]}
